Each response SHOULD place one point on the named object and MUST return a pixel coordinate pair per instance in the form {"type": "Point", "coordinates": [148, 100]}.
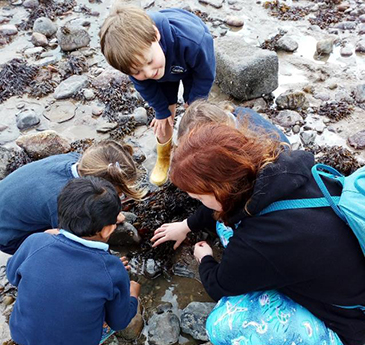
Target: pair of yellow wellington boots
{"type": "Point", "coordinates": [160, 172]}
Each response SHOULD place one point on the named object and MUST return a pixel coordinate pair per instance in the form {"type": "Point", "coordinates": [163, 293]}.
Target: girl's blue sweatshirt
{"type": "Point", "coordinates": [189, 51]}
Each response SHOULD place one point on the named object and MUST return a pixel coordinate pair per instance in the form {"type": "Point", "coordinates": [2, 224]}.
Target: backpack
{"type": "Point", "coordinates": [350, 206]}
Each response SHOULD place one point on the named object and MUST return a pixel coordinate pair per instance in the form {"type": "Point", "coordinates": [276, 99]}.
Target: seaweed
{"type": "Point", "coordinates": [335, 110]}
{"type": "Point", "coordinates": [271, 42]}
{"type": "Point", "coordinates": [81, 145]}
{"type": "Point", "coordinates": [15, 77]}
{"type": "Point", "coordinates": [326, 17]}
{"type": "Point", "coordinates": [17, 158]}
{"type": "Point", "coordinates": [73, 64]}
{"type": "Point", "coordinates": [122, 130]}
{"type": "Point", "coordinates": [284, 12]}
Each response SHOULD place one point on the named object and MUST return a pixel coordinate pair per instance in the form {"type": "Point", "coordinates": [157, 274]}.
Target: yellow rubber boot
{"type": "Point", "coordinates": [159, 173]}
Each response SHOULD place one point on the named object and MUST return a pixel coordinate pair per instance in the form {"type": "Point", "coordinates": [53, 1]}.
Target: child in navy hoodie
{"type": "Point", "coordinates": [158, 49]}
{"type": "Point", "coordinates": [69, 284]}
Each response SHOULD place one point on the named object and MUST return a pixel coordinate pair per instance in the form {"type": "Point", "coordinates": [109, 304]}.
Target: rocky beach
{"type": "Point", "coordinates": [300, 64]}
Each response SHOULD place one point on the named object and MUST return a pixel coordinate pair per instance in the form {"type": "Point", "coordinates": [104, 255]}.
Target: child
{"type": "Point", "coordinates": [279, 280]}
{"type": "Point", "coordinates": [28, 196]}
{"type": "Point", "coordinates": [158, 50]}
{"type": "Point", "coordinates": [69, 284]}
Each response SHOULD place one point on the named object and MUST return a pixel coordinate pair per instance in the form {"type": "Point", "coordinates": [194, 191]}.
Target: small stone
{"type": "Point", "coordinates": [362, 29]}
{"type": "Point", "coordinates": [362, 18]}
{"type": "Point", "coordinates": [33, 51]}
{"type": "Point", "coordinates": [26, 119]}
{"type": "Point", "coordinates": [346, 51]}
{"type": "Point", "coordinates": [3, 127]}
{"type": "Point", "coordinates": [89, 94]}
{"type": "Point", "coordinates": [71, 38]}
{"type": "Point", "coordinates": [360, 46]}
{"type": "Point", "coordinates": [97, 111]}
{"type": "Point", "coordinates": [296, 129]}
{"type": "Point", "coordinates": [47, 61]}
{"type": "Point", "coordinates": [7, 300]}
{"type": "Point", "coordinates": [308, 137]}
{"type": "Point", "coordinates": [8, 30]}
{"type": "Point", "coordinates": [147, 3]}
{"type": "Point", "coordinates": [45, 26]}
{"type": "Point", "coordinates": [322, 96]}
{"type": "Point", "coordinates": [234, 21]}
{"type": "Point", "coordinates": [357, 140]}
{"type": "Point", "coordinates": [333, 86]}
{"type": "Point", "coordinates": [287, 44]}
{"type": "Point", "coordinates": [292, 100]}
{"type": "Point", "coordinates": [346, 26]}
{"type": "Point", "coordinates": [360, 93]}
{"type": "Point", "coordinates": [70, 86]}
{"type": "Point", "coordinates": [325, 47]}
{"type": "Point", "coordinates": [31, 4]}
{"type": "Point", "coordinates": [107, 127]}
{"type": "Point", "coordinates": [214, 3]}
{"type": "Point", "coordinates": [140, 116]}
{"type": "Point", "coordinates": [343, 7]}
{"type": "Point", "coordinates": [39, 40]}
{"type": "Point", "coordinates": [288, 118]}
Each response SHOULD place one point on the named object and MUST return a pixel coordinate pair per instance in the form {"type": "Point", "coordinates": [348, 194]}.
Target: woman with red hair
{"type": "Point", "coordinates": [285, 277]}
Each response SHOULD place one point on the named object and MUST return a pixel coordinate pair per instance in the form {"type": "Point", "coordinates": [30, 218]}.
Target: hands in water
{"type": "Point", "coordinates": [171, 232]}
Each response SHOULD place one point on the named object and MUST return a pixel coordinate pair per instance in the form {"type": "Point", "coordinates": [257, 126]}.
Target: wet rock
{"type": "Point", "coordinates": [134, 329]}
{"type": "Point", "coordinates": [362, 18]}
{"type": "Point", "coordinates": [43, 144]}
{"type": "Point", "coordinates": [147, 3]}
{"type": "Point", "coordinates": [60, 111]}
{"type": "Point", "coordinates": [308, 137]}
{"type": "Point", "coordinates": [4, 160]}
{"type": "Point", "coordinates": [362, 29]}
{"type": "Point", "coordinates": [360, 46]}
{"type": "Point", "coordinates": [89, 94]}
{"type": "Point", "coordinates": [97, 111]}
{"type": "Point", "coordinates": [33, 51]}
{"type": "Point", "coordinates": [288, 118]}
{"type": "Point", "coordinates": [71, 38]}
{"type": "Point", "coordinates": [125, 233]}
{"type": "Point", "coordinates": [244, 71]}
{"type": "Point", "coordinates": [323, 96]}
{"type": "Point", "coordinates": [164, 329]}
{"type": "Point", "coordinates": [27, 119]}
{"type": "Point", "coordinates": [106, 127]}
{"type": "Point", "coordinates": [50, 60]}
{"type": "Point", "coordinates": [324, 47]}
{"type": "Point", "coordinates": [292, 100]}
{"type": "Point", "coordinates": [346, 51]}
{"type": "Point", "coordinates": [4, 20]}
{"type": "Point", "coordinates": [346, 26]}
{"type": "Point", "coordinates": [152, 269]}
{"type": "Point", "coordinates": [140, 116]}
{"type": "Point", "coordinates": [31, 4]}
{"type": "Point", "coordinates": [70, 86]}
{"type": "Point", "coordinates": [214, 3]}
{"type": "Point", "coordinates": [343, 95]}
{"type": "Point", "coordinates": [234, 21]}
{"type": "Point", "coordinates": [343, 7]}
{"type": "Point", "coordinates": [296, 129]}
{"type": "Point", "coordinates": [357, 140]}
{"type": "Point", "coordinates": [360, 93]}
{"type": "Point", "coordinates": [8, 30]}
{"type": "Point", "coordinates": [287, 44]}
{"type": "Point", "coordinates": [193, 319]}
{"type": "Point", "coordinates": [39, 40]}
{"type": "Point", "coordinates": [44, 26]}
{"type": "Point", "coordinates": [8, 300]}
{"type": "Point", "coordinates": [109, 76]}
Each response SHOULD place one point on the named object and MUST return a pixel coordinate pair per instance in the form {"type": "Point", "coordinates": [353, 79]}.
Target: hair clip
{"type": "Point", "coordinates": [117, 165]}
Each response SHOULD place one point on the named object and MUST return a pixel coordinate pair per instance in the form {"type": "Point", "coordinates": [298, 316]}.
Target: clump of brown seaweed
{"type": "Point", "coordinates": [338, 157]}
{"type": "Point", "coordinates": [271, 42]}
{"type": "Point", "coordinates": [284, 12]}
{"type": "Point", "coordinates": [17, 158]}
{"type": "Point", "coordinates": [335, 110]}
{"type": "Point", "coordinates": [326, 17]}
{"type": "Point", "coordinates": [81, 145]}
{"type": "Point", "coordinates": [15, 77]}
{"type": "Point", "coordinates": [123, 129]}
{"type": "Point", "coordinates": [73, 64]}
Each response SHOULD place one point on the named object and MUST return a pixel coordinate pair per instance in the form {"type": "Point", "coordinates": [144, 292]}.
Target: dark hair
{"type": "Point", "coordinates": [86, 205]}
{"type": "Point", "coordinates": [223, 161]}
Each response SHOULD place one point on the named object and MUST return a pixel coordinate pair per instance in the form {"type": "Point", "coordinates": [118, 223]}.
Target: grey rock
{"type": "Point", "coordinates": [125, 233]}
{"type": "Point", "coordinates": [60, 111]}
{"type": "Point", "coordinates": [39, 40]}
{"type": "Point", "coordinates": [164, 329]}
{"type": "Point", "coordinates": [322, 96]}
{"type": "Point", "coordinates": [45, 26]}
{"type": "Point", "coordinates": [97, 111]}
{"type": "Point", "coordinates": [288, 118]}
{"type": "Point", "coordinates": [324, 47]}
{"type": "Point", "coordinates": [308, 137]}
{"type": "Point", "coordinates": [31, 4]}
{"type": "Point", "coordinates": [193, 319]}
{"type": "Point", "coordinates": [292, 100]}
{"type": "Point", "coordinates": [4, 20]}
{"type": "Point", "coordinates": [89, 94]}
{"type": "Point", "coordinates": [214, 3]}
{"type": "Point", "coordinates": [134, 329]}
{"type": "Point", "coordinates": [3, 127]}
{"type": "Point", "coordinates": [8, 30]}
{"type": "Point", "coordinates": [140, 116]}
{"type": "Point", "coordinates": [50, 60]}
{"type": "Point", "coordinates": [147, 3]}
{"type": "Point", "coordinates": [360, 46]}
{"type": "Point", "coordinates": [33, 51]}
{"type": "Point", "coordinates": [4, 160]}
{"type": "Point", "coordinates": [27, 119]}
{"type": "Point", "coordinates": [346, 26]}
{"type": "Point", "coordinates": [343, 95]}
{"type": "Point", "coordinates": [43, 144]}
{"type": "Point", "coordinates": [287, 44]}
{"type": "Point", "coordinates": [244, 71]}
{"type": "Point", "coordinates": [70, 86]}
{"type": "Point", "coordinates": [360, 93]}
{"type": "Point", "coordinates": [362, 29]}
{"type": "Point", "coordinates": [296, 129]}
{"type": "Point", "coordinates": [234, 21]}
{"type": "Point", "coordinates": [106, 127]}
{"type": "Point", "coordinates": [358, 140]}
{"type": "Point", "coordinates": [346, 51]}
{"type": "Point", "coordinates": [151, 269]}
{"type": "Point", "coordinates": [71, 38]}
{"type": "Point", "coordinates": [362, 18]}
{"type": "Point", "coordinates": [108, 76]}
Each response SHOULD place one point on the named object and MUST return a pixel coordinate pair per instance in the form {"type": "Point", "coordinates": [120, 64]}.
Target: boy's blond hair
{"type": "Point", "coordinates": [125, 36]}
{"type": "Point", "coordinates": [202, 112]}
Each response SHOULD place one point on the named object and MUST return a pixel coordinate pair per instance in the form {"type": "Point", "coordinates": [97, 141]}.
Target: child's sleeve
{"type": "Point", "coordinates": [202, 62]}
{"type": "Point", "coordinates": [121, 309]}
{"type": "Point", "coordinates": [202, 219]}
{"type": "Point", "coordinates": [151, 92]}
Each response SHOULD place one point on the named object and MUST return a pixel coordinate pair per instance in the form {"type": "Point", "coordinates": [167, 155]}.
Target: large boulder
{"type": "Point", "coordinates": [244, 71]}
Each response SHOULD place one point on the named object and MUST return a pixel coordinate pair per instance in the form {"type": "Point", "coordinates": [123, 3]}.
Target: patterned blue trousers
{"type": "Point", "coordinates": [264, 318]}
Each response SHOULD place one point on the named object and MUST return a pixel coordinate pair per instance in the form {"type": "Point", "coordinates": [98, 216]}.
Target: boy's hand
{"type": "Point", "coordinates": [160, 126]}
{"type": "Point", "coordinates": [52, 231]}
{"type": "Point", "coordinates": [171, 232]}
{"type": "Point", "coordinates": [125, 262]}
{"type": "Point", "coordinates": [202, 249]}
{"type": "Point", "coordinates": [134, 289]}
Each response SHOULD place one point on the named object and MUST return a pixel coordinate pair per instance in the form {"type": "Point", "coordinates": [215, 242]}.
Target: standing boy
{"type": "Point", "coordinates": [69, 284]}
{"type": "Point", "coordinates": [158, 50]}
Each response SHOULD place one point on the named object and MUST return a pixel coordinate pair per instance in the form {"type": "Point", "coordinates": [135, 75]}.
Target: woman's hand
{"type": "Point", "coordinates": [202, 249]}
{"type": "Point", "coordinates": [171, 232]}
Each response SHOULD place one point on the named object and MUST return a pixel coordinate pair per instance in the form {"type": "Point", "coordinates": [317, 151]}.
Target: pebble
{"type": "Point", "coordinates": [324, 47]}
{"type": "Point", "coordinates": [44, 26]}
{"type": "Point", "coordinates": [39, 40]}
{"type": "Point", "coordinates": [7, 300]}
{"type": "Point", "coordinates": [97, 111]}
{"type": "Point", "coordinates": [33, 51]}
{"type": "Point", "coordinates": [362, 29]}
{"type": "Point", "coordinates": [346, 51]}
{"type": "Point", "coordinates": [89, 94]}
{"type": "Point", "coordinates": [8, 30]}
{"type": "Point", "coordinates": [31, 4]}
{"type": "Point", "coordinates": [234, 21]}
{"type": "Point", "coordinates": [360, 46]}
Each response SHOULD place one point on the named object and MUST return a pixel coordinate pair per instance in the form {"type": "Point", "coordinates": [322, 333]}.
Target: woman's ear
{"type": "Point", "coordinates": [158, 35]}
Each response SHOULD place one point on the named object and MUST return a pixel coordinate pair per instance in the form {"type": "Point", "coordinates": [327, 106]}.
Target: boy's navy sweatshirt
{"type": "Point", "coordinates": [28, 196]}
{"type": "Point", "coordinates": [65, 292]}
{"type": "Point", "coordinates": [189, 51]}
{"type": "Point", "coordinates": [310, 255]}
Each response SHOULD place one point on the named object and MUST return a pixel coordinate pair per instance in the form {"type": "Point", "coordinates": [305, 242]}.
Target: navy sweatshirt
{"type": "Point", "coordinates": [65, 292]}
{"type": "Point", "coordinates": [310, 255]}
{"type": "Point", "coordinates": [189, 51]}
{"type": "Point", "coordinates": [28, 196]}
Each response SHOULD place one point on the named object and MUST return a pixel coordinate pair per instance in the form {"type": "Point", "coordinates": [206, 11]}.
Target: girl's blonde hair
{"type": "Point", "coordinates": [203, 112]}
{"type": "Point", "coordinates": [113, 162]}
